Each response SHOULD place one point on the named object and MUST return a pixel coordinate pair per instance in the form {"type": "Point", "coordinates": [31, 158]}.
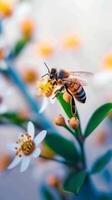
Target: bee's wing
{"type": "Point", "coordinates": [81, 74]}
{"type": "Point", "coordinates": [82, 81]}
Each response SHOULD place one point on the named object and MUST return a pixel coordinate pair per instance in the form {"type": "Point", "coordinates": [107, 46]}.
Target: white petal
{"type": "Point", "coordinates": [38, 139]}
{"type": "Point", "coordinates": [19, 135]}
{"type": "Point", "coordinates": [52, 99]}
{"type": "Point", "coordinates": [11, 147]}
{"type": "Point", "coordinates": [31, 129]}
{"type": "Point", "coordinates": [3, 108]}
{"type": "Point", "coordinates": [25, 163]}
{"type": "Point", "coordinates": [44, 105]}
{"type": "Point", "coordinates": [36, 153]}
{"type": "Point", "coordinates": [9, 93]}
{"type": "Point", "coordinates": [15, 162]}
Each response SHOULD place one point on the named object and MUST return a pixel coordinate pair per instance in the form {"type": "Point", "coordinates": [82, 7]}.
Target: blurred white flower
{"type": "Point", "coordinates": [103, 78]}
{"type": "Point", "coordinates": [26, 147]}
{"type": "Point", "coordinates": [4, 95]}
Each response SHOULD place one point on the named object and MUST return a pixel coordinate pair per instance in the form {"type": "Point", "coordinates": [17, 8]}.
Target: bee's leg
{"type": "Point", "coordinates": [73, 107]}
{"type": "Point", "coordinates": [57, 93]}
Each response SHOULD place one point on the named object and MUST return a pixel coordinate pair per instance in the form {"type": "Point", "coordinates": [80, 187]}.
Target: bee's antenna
{"type": "Point", "coordinates": [45, 75]}
{"type": "Point", "coordinates": [47, 67]}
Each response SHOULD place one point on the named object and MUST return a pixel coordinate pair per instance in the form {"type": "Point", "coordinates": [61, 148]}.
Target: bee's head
{"type": "Point", "coordinates": [53, 73]}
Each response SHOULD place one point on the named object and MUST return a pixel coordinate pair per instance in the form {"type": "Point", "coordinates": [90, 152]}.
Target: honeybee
{"type": "Point", "coordinates": [71, 82]}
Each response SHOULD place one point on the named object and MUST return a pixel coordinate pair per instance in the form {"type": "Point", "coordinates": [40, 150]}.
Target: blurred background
{"type": "Point", "coordinates": [69, 34]}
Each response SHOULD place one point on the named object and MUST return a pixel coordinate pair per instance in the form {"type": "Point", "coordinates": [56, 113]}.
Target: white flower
{"type": "Point", "coordinates": [26, 147]}
{"type": "Point", "coordinates": [45, 103]}
{"type": "Point", "coordinates": [46, 90]}
{"type": "Point", "coordinates": [103, 78]}
{"type": "Point", "coordinates": [5, 93]}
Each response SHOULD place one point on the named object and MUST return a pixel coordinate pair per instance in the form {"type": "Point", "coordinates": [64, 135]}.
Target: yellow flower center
{"type": "Point", "coordinates": [5, 8]}
{"type": "Point", "coordinates": [29, 76]}
{"type": "Point", "coordinates": [46, 89]}
{"type": "Point", "coordinates": [45, 49]}
{"type": "Point", "coordinates": [71, 42]}
{"type": "Point", "coordinates": [28, 147]}
{"type": "Point", "coordinates": [108, 62]}
{"type": "Point", "coordinates": [27, 27]}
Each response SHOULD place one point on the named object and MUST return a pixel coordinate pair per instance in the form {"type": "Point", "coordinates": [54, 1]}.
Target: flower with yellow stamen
{"type": "Point", "coordinates": [29, 75]}
{"type": "Point", "coordinates": [46, 90]}
{"type": "Point", "coordinates": [27, 27]}
{"type": "Point", "coordinates": [5, 8]}
{"type": "Point", "coordinates": [107, 61]}
{"type": "Point", "coordinates": [71, 42]}
{"type": "Point", "coordinates": [26, 147]}
{"type": "Point", "coordinates": [45, 49]}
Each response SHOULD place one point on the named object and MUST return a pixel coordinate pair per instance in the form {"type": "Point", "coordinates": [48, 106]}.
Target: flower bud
{"type": "Point", "coordinates": [59, 120]}
{"type": "Point", "coordinates": [53, 181]}
{"type": "Point", "coordinates": [67, 97]}
{"type": "Point", "coordinates": [2, 53]}
{"type": "Point", "coordinates": [74, 122]}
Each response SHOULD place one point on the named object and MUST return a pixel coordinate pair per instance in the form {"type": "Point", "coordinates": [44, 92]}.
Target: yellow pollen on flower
{"type": "Point", "coordinates": [46, 89]}
{"type": "Point", "coordinates": [45, 49]}
{"type": "Point", "coordinates": [27, 146]}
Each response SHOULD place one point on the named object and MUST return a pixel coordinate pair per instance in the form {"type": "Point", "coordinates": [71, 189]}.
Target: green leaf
{"type": "Point", "coordinates": [18, 47]}
{"type": "Point", "coordinates": [65, 106]}
{"type": "Point", "coordinates": [47, 194]}
{"type": "Point", "coordinates": [74, 182]}
{"type": "Point", "coordinates": [101, 162]}
{"type": "Point", "coordinates": [62, 147]}
{"type": "Point", "coordinates": [12, 117]}
{"type": "Point", "coordinates": [98, 116]}
{"type": "Point", "coordinates": [106, 197]}
{"type": "Point", "coordinates": [17, 119]}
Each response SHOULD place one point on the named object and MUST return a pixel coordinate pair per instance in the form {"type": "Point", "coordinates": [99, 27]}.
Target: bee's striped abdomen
{"type": "Point", "coordinates": [80, 94]}
{"type": "Point", "coordinates": [78, 91]}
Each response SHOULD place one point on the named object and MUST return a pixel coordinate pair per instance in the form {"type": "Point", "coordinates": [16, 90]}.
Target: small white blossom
{"type": "Point", "coordinates": [45, 103]}
{"type": "Point", "coordinates": [26, 147]}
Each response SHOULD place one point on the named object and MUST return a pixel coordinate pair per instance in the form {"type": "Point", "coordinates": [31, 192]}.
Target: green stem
{"type": "Point", "coordinates": [79, 129]}
{"type": "Point", "coordinates": [55, 160]}
{"type": "Point", "coordinates": [81, 143]}
{"type": "Point", "coordinates": [70, 130]}
{"type": "Point", "coordinates": [73, 133]}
